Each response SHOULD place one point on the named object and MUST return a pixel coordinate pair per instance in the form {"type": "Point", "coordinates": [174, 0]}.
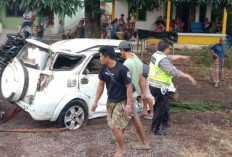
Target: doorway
{"type": "Point", "coordinates": [186, 13]}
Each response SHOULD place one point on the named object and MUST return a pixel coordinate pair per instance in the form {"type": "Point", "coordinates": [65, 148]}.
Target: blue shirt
{"type": "Point", "coordinates": [113, 30]}
{"type": "Point", "coordinates": [219, 50]}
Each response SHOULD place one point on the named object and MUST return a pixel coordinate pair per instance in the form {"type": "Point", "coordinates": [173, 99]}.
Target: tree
{"type": "Point", "coordinates": [93, 18]}
{"type": "Point", "coordinates": [155, 4]}
{"type": "Point", "coordinates": [63, 7]}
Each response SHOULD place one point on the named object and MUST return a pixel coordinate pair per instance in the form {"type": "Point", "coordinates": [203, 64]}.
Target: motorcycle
{"type": "Point", "coordinates": [7, 56]}
{"type": "Point", "coordinates": [16, 40]}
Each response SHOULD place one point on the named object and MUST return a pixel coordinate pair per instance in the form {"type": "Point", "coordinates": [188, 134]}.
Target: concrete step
{"type": "Point", "coordinates": [50, 41]}
{"type": "Point", "coordinates": [52, 36]}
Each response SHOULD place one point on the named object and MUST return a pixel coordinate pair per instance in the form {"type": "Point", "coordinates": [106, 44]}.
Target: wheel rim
{"type": "Point", "coordinates": [74, 117]}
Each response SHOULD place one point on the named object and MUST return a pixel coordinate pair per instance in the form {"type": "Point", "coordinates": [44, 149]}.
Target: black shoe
{"type": "Point", "coordinates": [166, 125]}
{"type": "Point", "coordinates": [159, 132]}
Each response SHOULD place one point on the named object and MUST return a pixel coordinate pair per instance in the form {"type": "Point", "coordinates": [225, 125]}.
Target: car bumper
{"type": "Point", "coordinates": [33, 113]}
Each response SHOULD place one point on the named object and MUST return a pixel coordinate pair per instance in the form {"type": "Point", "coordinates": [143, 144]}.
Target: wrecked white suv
{"type": "Point", "coordinates": [58, 82]}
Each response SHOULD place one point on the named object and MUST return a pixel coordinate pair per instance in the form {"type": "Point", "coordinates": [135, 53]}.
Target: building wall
{"type": "Point", "coordinates": [121, 6]}
{"type": "Point", "coordinates": [208, 12]}
{"type": "Point", "coordinates": [9, 22]}
{"type": "Point", "coordinates": [197, 15]}
{"type": "Point", "coordinates": [194, 38]}
{"type": "Point", "coordinates": [151, 18]}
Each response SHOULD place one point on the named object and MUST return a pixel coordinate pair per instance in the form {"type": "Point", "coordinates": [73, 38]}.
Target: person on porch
{"type": "Point", "coordinates": [133, 16]}
{"type": "Point", "coordinates": [179, 25]}
{"type": "Point", "coordinates": [207, 26]}
{"type": "Point", "coordinates": [128, 33]}
{"type": "Point", "coordinates": [159, 24]}
{"type": "Point", "coordinates": [216, 26]}
{"type": "Point", "coordinates": [121, 20]}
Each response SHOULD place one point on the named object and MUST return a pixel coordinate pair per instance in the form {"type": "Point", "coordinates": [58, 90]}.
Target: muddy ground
{"type": "Point", "coordinates": [192, 133]}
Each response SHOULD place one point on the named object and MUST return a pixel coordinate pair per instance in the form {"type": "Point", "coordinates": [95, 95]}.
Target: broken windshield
{"type": "Point", "coordinates": [33, 56]}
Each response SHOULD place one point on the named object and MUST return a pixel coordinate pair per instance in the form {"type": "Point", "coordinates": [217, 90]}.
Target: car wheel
{"type": "Point", "coordinates": [74, 115]}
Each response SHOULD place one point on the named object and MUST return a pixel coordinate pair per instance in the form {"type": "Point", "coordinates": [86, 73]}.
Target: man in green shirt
{"type": "Point", "coordinates": [135, 68]}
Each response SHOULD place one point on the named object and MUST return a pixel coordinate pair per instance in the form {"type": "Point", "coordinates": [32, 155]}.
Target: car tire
{"type": "Point", "coordinates": [74, 115]}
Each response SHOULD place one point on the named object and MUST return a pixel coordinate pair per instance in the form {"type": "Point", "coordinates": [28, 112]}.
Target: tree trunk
{"type": "Point", "coordinates": [92, 19]}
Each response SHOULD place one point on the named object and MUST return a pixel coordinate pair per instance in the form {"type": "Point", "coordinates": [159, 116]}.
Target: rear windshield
{"type": "Point", "coordinates": [33, 56]}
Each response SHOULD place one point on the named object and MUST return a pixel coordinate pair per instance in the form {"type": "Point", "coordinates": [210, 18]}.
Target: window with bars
{"type": "Point", "coordinates": [14, 12]}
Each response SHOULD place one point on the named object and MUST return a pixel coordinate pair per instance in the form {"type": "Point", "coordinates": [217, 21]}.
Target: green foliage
{"type": "Point", "coordinates": [62, 7]}
{"type": "Point", "coordinates": [198, 106]}
{"type": "Point", "coordinates": [228, 58]}
{"type": "Point", "coordinates": [175, 110]}
{"type": "Point", "coordinates": [145, 4]}
{"type": "Point", "coordinates": [155, 4]}
{"type": "Point", "coordinates": [205, 58]}
{"type": "Point", "coordinates": [229, 23]}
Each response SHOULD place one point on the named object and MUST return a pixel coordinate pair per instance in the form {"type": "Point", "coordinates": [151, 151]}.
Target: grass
{"type": "Point", "coordinates": [198, 106]}
{"type": "Point", "coordinates": [178, 107]}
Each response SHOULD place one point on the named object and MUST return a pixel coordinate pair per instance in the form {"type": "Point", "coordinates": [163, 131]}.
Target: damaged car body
{"type": "Point", "coordinates": [57, 82]}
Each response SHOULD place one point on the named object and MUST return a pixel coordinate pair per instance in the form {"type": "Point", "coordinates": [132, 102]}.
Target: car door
{"type": "Point", "coordinates": [88, 82]}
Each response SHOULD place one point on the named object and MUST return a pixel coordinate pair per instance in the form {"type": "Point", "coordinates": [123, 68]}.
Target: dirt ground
{"type": "Point", "coordinates": [192, 133]}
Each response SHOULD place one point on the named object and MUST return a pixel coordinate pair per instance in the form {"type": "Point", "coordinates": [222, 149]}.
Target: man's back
{"type": "Point", "coordinates": [135, 68]}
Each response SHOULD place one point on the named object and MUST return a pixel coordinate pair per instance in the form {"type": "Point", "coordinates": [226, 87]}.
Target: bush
{"type": "Point", "coordinates": [205, 57]}
{"type": "Point", "coordinates": [228, 58]}
{"type": "Point", "coordinates": [197, 106]}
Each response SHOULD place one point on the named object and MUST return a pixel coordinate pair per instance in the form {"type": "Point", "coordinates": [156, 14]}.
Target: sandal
{"type": "Point", "coordinates": [141, 147]}
{"type": "Point", "coordinates": [143, 114]}
{"type": "Point", "coordinates": [110, 154]}
{"type": "Point", "coordinates": [148, 117]}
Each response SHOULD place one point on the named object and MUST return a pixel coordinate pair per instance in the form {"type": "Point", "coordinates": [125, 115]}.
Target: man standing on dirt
{"type": "Point", "coordinates": [119, 90]}
{"type": "Point", "coordinates": [160, 78]}
{"type": "Point", "coordinates": [135, 68]}
{"type": "Point", "coordinates": [218, 51]}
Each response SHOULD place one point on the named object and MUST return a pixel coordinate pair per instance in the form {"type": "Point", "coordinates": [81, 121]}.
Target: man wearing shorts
{"type": "Point", "coordinates": [119, 90]}
{"type": "Point", "coordinates": [27, 21]}
{"type": "Point", "coordinates": [135, 68]}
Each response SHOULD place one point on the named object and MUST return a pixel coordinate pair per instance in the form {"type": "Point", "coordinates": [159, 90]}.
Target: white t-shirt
{"type": "Point", "coordinates": [27, 17]}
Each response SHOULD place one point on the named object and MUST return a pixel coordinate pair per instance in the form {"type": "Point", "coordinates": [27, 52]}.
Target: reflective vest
{"type": "Point", "coordinates": [157, 77]}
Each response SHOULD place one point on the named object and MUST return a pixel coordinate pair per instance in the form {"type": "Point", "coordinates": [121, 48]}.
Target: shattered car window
{"type": "Point", "coordinates": [67, 62]}
{"type": "Point", "coordinates": [94, 65]}
{"type": "Point", "coordinates": [33, 56]}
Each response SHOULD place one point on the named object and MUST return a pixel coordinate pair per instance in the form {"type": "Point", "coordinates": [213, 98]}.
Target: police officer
{"type": "Point", "coordinates": [160, 78]}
